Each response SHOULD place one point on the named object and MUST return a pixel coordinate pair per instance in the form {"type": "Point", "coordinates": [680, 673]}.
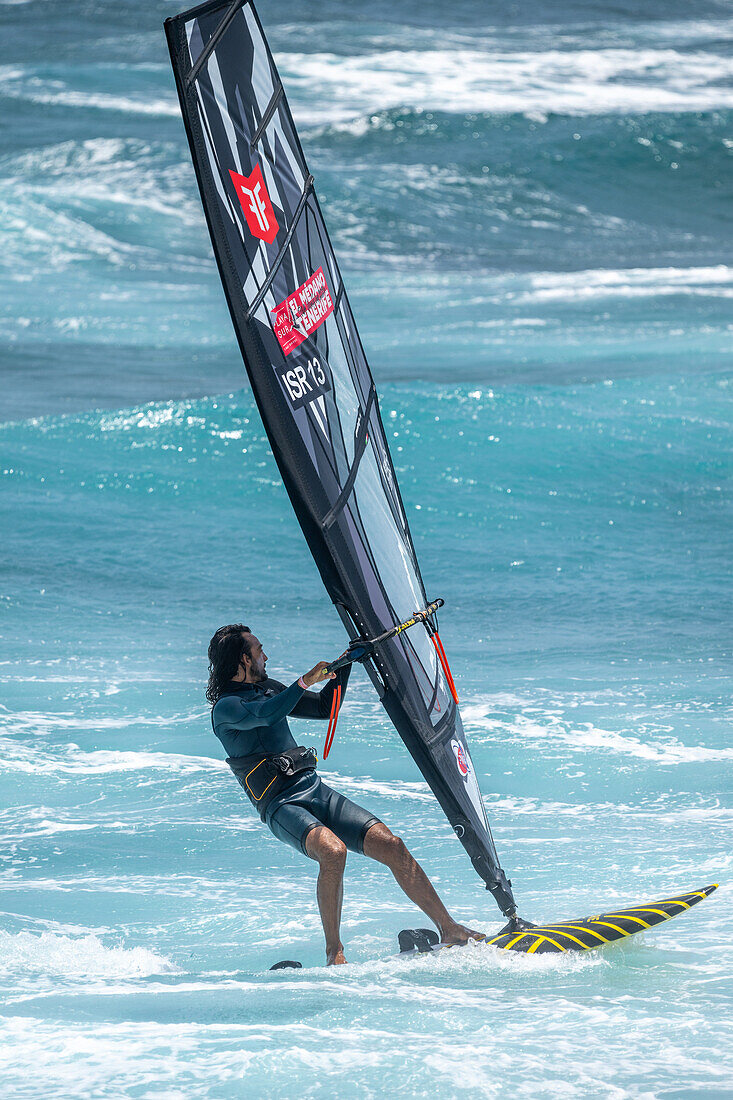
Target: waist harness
{"type": "Point", "coordinates": [264, 777]}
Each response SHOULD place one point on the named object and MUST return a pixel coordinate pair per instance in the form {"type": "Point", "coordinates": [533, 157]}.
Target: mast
{"type": "Point", "coordinates": [314, 389]}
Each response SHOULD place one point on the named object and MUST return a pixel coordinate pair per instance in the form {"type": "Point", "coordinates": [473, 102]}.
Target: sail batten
{"type": "Point", "coordinates": [203, 57]}
{"type": "Point", "coordinates": [265, 121]}
{"type": "Point", "coordinates": [314, 389]}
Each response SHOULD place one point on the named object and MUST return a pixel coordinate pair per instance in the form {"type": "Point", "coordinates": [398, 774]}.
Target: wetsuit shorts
{"type": "Point", "coordinates": [309, 802]}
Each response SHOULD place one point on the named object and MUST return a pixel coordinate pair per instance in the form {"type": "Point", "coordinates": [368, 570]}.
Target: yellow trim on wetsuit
{"type": "Point", "coordinates": [257, 797]}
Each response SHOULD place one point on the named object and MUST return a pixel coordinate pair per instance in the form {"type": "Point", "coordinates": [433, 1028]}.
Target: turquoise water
{"type": "Point", "coordinates": [556, 379]}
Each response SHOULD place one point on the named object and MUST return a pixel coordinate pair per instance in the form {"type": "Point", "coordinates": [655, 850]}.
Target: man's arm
{"type": "Point", "coordinates": [317, 704]}
{"type": "Point", "coordinates": [245, 714]}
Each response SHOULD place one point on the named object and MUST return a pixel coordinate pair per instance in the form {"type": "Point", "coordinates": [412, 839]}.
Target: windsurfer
{"type": "Point", "coordinates": [250, 718]}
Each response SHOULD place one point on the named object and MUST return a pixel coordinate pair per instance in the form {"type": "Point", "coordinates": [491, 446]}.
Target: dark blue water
{"type": "Point", "coordinates": [532, 207]}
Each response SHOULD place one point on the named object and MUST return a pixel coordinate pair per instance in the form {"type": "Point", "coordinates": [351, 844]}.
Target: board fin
{"type": "Point", "coordinates": [287, 964]}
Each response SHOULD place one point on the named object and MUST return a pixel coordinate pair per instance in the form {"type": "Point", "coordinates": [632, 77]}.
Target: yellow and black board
{"type": "Point", "coordinates": [591, 932]}
{"type": "Point", "coordinates": [584, 934]}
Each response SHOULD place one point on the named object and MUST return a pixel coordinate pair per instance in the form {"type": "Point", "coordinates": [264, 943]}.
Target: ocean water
{"type": "Point", "coordinates": [532, 207]}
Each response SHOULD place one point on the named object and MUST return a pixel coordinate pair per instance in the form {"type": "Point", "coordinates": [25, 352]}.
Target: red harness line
{"type": "Point", "coordinates": [336, 701]}
{"type": "Point", "coordinates": [335, 707]}
{"type": "Point", "coordinates": [444, 664]}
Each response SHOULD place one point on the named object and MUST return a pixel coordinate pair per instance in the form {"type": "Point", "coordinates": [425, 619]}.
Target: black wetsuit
{"type": "Point", "coordinates": [252, 718]}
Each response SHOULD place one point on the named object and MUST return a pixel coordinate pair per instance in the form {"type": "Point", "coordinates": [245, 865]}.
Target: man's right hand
{"type": "Point", "coordinates": [317, 674]}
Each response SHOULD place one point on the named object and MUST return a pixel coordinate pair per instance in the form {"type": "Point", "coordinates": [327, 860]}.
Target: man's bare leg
{"type": "Point", "coordinates": [330, 853]}
{"type": "Point", "coordinates": [381, 844]}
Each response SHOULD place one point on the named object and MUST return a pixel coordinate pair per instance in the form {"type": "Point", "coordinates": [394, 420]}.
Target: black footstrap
{"type": "Point", "coordinates": [417, 939]}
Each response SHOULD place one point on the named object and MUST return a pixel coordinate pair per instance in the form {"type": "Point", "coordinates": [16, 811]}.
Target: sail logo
{"type": "Point", "coordinates": [302, 312]}
{"type": "Point", "coordinates": [461, 758]}
{"type": "Point", "coordinates": [255, 202]}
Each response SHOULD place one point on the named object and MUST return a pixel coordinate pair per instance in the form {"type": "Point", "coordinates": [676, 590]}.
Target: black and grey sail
{"type": "Point", "coordinates": [314, 389]}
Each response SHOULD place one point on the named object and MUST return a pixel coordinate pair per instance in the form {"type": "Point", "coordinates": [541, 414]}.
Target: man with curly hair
{"type": "Point", "coordinates": [250, 717]}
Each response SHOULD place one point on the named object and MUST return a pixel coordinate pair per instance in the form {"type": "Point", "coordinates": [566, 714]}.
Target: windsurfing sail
{"type": "Point", "coordinates": [314, 389]}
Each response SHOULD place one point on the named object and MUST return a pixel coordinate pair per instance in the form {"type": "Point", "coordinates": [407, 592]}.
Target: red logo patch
{"type": "Point", "coordinates": [252, 194]}
{"type": "Point", "coordinates": [302, 312]}
{"type": "Point", "coordinates": [460, 755]}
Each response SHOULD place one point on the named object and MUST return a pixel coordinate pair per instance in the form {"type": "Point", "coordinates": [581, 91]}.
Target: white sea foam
{"type": "Point", "coordinates": [71, 760]}
{"type": "Point", "coordinates": [548, 726]}
{"type": "Point", "coordinates": [27, 822]}
{"type": "Point", "coordinates": [603, 1045]}
{"type": "Point", "coordinates": [36, 84]}
{"type": "Point", "coordinates": [76, 956]}
{"type": "Point", "coordinates": [361, 785]}
{"type": "Point", "coordinates": [461, 79]}
{"type": "Point", "coordinates": [629, 283]}
{"type": "Point", "coordinates": [33, 228]}
{"type": "Point", "coordinates": [574, 82]}
{"type": "Point", "coordinates": [105, 170]}
{"type": "Point", "coordinates": [670, 751]}
{"type": "Point", "coordinates": [571, 287]}
{"type": "Point", "coordinates": [542, 288]}
{"type": "Point", "coordinates": [31, 722]}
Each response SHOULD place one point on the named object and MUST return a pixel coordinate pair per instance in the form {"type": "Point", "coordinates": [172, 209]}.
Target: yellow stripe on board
{"type": "Point", "coordinates": [562, 932]}
{"type": "Point", "coordinates": [516, 939]}
{"type": "Point", "coordinates": [607, 924]}
{"type": "Point", "coordinates": [543, 936]}
{"type": "Point", "coordinates": [650, 909]}
{"type": "Point", "coordinates": [581, 928]}
{"type": "Point", "coordinates": [558, 945]}
{"type": "Point", "coordinates": [541, 939]}
{"type": "Point", "coordinates": [628, 916]}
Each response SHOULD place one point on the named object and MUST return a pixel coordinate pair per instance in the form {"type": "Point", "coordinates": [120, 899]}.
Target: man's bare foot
{"type": "Point", "coordinates": [458, 933]}
{"type": "Point", "coordinates": [335, 958]}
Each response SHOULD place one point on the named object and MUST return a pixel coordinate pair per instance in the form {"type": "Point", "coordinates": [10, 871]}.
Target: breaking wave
{"type": "Point", "coordinates": [82, 957]}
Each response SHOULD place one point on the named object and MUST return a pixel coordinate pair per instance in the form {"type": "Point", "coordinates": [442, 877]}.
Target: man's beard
{"type": "Point", "coordinates": [258, 672]}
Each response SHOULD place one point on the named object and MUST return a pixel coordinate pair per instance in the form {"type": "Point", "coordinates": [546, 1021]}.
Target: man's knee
{"type": "Point", "coordinates": [381, 844]}
{"type": "Point", "coordinates": [325, 847]}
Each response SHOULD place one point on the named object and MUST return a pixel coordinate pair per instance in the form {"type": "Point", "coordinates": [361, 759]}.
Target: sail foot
{"type": "Point", "coordinates": [498, 885]}
{"type": "Point", "coordinates": [514, 925]}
